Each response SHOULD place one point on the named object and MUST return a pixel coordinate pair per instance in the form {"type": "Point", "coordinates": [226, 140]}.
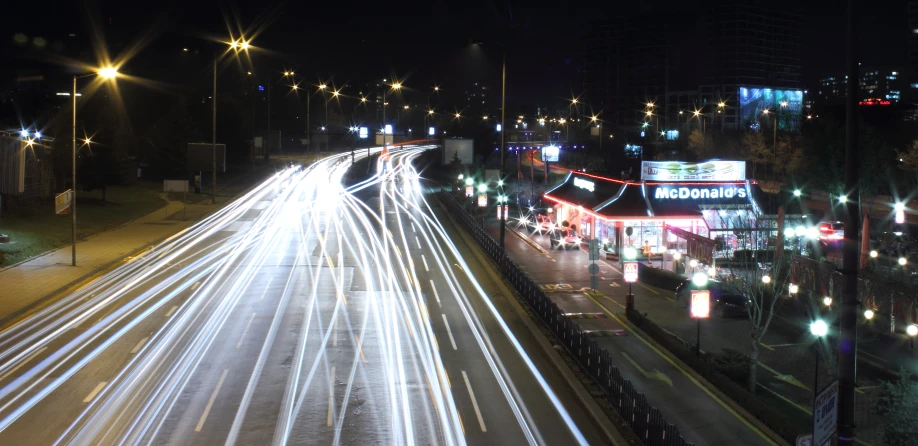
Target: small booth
{"type": "Point", "coordinates": [705, 210]}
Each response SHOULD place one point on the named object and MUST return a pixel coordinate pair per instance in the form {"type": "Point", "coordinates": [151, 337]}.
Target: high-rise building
{"type": "Point", "coordinates": [727, 61]}
{"type": "Point", "coordinates": [913, 50]}
{"type": "Point", "coordinates": [878, 86]}
{"type": "Point", "coordinates": [477, 97]}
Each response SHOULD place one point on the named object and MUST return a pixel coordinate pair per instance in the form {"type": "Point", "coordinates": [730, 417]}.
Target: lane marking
{"type": "Point", "coordinates": [425, 263]}
{"type": "Point", "coordinates": [419, 241]}
{"type": "Point", "coordinates": [412, 227]}
{"type": "Point", "coordinates": [246, 330]}
{"type": "Point", "coordinates": [653, 291]}
{"type": "Point", "coordinates": [266, 288]}
{"type": "Point", "coordinates": [685, 373]}
{"type": "Point", "coordinates": [331, 397]}
{"type": "Point", "coordinates": [172, 310]}
{"type": "Point", "coordinates": [139, 345]}
{"type": "Point", "coordinates": [450, 333]}
{"type": "Point", "coordinates": [468, 385]}
{"type": "Point", "coordinates": [210, 402]}
{"type": "Point", "coordinates": [360, 349]}
{"type": "Point", "coordinates": [196, 285]}
{"type": "Point", "coordinates": [24, 361]}
{"type": "Point", "coordinates": [95, 392]}
{"type": "Point", "coordinates": [436, 295]}
{"type": "Point", "coordinates": [399, 251]}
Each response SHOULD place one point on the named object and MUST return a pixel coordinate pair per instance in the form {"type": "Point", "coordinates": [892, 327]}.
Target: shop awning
{"type": "Point", "coordinates": [584, 190]}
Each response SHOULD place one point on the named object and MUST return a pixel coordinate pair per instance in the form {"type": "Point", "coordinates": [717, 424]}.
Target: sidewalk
{"type": "Point", "coordinates": [28, 282]}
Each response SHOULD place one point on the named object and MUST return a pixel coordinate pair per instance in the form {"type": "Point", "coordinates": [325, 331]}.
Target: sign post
{"type": "Point", "coordinates": [630, 270]}
{"type": "Point", "coordinates": [701, 309]}
{"type": "Point", "coordinates": [825, 414]}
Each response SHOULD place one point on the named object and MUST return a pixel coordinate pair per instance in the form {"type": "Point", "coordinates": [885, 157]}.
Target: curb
{"type": "Point", "coordinates": [104, 268]}
{"type": "Point", "coordinates": [582, 394]}
{"type": "Point", "coordinates": [528, 241]}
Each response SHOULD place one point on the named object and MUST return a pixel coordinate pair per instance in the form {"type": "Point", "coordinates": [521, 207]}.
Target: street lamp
{"type": "Point", "coordinates": [628, 256]}
{"type": "Point", "coordinates": [106, 73]}
{"type": "Point", "coordinates": [912, 331]}
{"type": "Point", "coordinates": [843, 199]}
{"type": "Point", "coordinates": [819, 329]}
{"type": "Point", "coordinates": [766, 279]}
{"type": "Point", "coordinates": [874, 253]}
{"type": "Point", "coordinates": [694, 264]}
{"type": "Point", "coordinates": [827, 301]}
{"type": "Point", "coordinates": [902, 261]}
{"type": "Point", "coordinates": [797, 192]}
{"type": "Point", "coordinates": [868, 314]}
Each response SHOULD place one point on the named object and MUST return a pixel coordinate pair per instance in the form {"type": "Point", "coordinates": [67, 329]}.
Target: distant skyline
{"type": "Point", "coordinates": [427, 42]}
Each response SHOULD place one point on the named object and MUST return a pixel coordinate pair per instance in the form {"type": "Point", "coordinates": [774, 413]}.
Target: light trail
{"type": "Point", "coordinates": [350, 306]}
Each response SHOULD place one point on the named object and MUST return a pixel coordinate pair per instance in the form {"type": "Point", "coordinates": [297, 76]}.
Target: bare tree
{"type": "Point", "coordinates": [701, 145]}
{"type": "Point", "coordinates": [756, 276]}
{"type": "Point", "coordinates": [755, 151]}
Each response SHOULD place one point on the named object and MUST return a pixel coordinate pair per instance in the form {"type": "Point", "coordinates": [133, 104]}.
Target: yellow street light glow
{"type": "Point", "coordinates": [436, 88]}
{"type": "Point", "coordinates": [874, 254]}
{"type": "Point", "coordinates": [234, 44]}
{"type": "Point", "coordinates": [335, 93]}
{"type": "Point", "coordinates": [680, 112]}
{"type": "Point", "coordinates": [108, 72]}
{"type": "Point", "coordinates": [722, 104]}
{"type": "Point", "coordinates": [296, 87]}
{"type": "Point", "coordinates": [406, 107]}
{"type": "Point", "coordinates": [593, 118]}
{"type": "Point", "coordinates": [650, 104]}
{"type": "Point", "coordinates": [574, 101]}
{"type": "Point", "coordinates": [868, 314]}
{"type": "Point", "coordinates": [562, 121]}
{"type": "Point", "coordinates": [429, 112]}
{"type": "Point", "coordinates": [363, 99]}
{"type": "Point", "coordinates": [765, 112]}
{"type": "Point", "coordinates": [696, 112]}
{"type": "Point", "coordinates": [245, 45]}
{"type": "Point", "coordinates": [322, 87]}
{"type": "Point", "coordinates": [396, 85]}
{"type": "Point", "coordinates": [457, 115]}
{"type": "Point", "coordinates": [784, 103]}
{"type": "Point", "coordinates": [649, 113]}
{"type": "Point", "coordinates": [485, 118]}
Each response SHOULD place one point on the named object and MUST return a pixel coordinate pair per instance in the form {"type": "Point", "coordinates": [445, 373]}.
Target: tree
{"type": "Point", "coordinates": [898, 404]}
{"type": "Point", "coordinates": [746, 279]}
{"type": "Point", "coordinates": [908, 159]}
{"type": "Point", "coordinates": [755, 151]}
{"type": "Point", "coordinates": [701, 145]}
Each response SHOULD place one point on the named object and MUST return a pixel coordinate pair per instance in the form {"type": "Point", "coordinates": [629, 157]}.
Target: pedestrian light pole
{"type": "Point", "coordinates": [630, 268]}
{"type": "Point", "coordinates": [503, 112]}
{"type": "Point", "coordinates": [106, 73]}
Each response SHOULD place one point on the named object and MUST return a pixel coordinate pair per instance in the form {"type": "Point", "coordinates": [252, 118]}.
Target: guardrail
{"type": "Point", "coordinates": [644, 420]}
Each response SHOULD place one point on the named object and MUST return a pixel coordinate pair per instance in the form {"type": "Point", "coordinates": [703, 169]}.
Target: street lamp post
{"type": "Point", "coordinates": [819, 329]}
{"type": "Point", "coordinates": [700, 280]}
{"type": "Point", "coordinates": [108, 73]}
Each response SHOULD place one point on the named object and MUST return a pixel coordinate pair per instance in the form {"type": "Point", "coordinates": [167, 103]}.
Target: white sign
{"type": "Point", "coordinates": [431, 131]}
{"type": "Point", "coordinates": [584, 184]}
{"type": "Point", "coordinates": [175, 185]}
{"type": "Point", "coordinates": [825, 414]}
{"type": "Point", "coordinates": [699, 193]}
{"type": "Point", "coordinates": [388, 129]}
{"type": "Point", "coordinates": [364, 133]}
{"type": "Point", "coordinates": [550, 154]}
{"type": "Point", "coordinates": [62, 202]}
{"type": "Point", "coordinates": [706, 171]}
{"type": "Point", "coordinates": [631, 271]}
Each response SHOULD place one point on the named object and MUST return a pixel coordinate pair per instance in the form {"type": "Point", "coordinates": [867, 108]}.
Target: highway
{"type": "Point", "coordinates": [306, 311]}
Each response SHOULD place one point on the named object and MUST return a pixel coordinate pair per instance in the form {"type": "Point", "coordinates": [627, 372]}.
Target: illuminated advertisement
{"type": "Point", "coordinates": [701, 303]}
{"type": "Point", "coordinates": [631, 271]}
{"type": "Point", "coordinates": [364, 133]}
{"type": "Point", "coordinates": [788, 104]}
{"type": "Point", "coordinates": [550, 154]}
{"type": "Point", "coordinates": [706, 171]}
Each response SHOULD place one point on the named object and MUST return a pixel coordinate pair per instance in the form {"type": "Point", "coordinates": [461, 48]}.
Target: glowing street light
{"type": "Point", "coordinates": [868, 314]}
{"type": "Point", "coordinates": [469, 181]}
{"type": "Point", "coordinates": [793, 288]}
{"type": "Point", "coordinates": [827, 301]}
{"type": "Point", "coordinates": [902, 261]}
{"type": "Point", "coordinates": [874, 253]}
{"type": "Point", "coordinates": [108, 72]}
{"type": "Point", "coordinates": [843, 199]}
{"type": "Point", "coordinates": [700, 279]}
{"type": "Point", "coordinates": [819, 328]}
{"type": "Point", "coordinates": [244, 45]}
{"type": "Point", "coordinates": [766, 279]}
{"type": "Point", "coordinates": [797, 192]}
{"type": "Point", "coordinates": [482, 187]}
{"type": "Point", "coordinates": [912, 330]}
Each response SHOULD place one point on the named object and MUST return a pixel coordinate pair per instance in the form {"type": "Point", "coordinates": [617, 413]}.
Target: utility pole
{"type": "Point", "coordinates": [214, 135]}
{"type": "Point", "coordinates": [847, 345]}
{"type": "Point", "coordinates": [503, 112]}
{"type": "Point", "coordinates": [74, 186]}
{"type": "Point", "coordinates": [308, 128]}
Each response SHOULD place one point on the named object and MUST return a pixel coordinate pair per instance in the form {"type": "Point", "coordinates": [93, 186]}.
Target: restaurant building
{"type": "Point", "coordinates": [700, 209]}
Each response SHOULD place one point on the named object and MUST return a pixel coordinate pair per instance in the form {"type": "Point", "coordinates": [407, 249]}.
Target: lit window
{"type": "Point", "coordinates": [895, 73]}
{"type": "Point", "coordinates": [914, 85]}
{"type": "Point", "coordinates": [892, 78]}
{"type": "Point", "coordinates": [915, 31]}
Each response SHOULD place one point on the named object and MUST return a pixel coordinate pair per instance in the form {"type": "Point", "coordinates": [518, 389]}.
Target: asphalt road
{"type": "Point", "coordinates": [301, 313]}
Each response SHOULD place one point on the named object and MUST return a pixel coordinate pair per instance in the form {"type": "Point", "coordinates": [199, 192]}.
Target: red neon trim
{"type": "Point", "coordinates": [636, 218]}
{"type": "Point", "coordinates": [698, 183]}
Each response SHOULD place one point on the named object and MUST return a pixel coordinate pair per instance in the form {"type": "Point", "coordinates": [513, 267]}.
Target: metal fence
{"type": "Point", "coordinates": [645, 420]}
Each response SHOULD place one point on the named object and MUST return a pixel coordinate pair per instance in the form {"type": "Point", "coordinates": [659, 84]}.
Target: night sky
{"type": "Point", "coordinates": [425, 43]}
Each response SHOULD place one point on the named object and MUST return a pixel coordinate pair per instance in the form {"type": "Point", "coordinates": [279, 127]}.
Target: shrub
{"type": "Point", "coordinates": [734, 365]}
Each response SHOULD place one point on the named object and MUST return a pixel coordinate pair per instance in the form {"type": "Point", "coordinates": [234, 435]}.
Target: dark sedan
{"type": "Point", "coordinates": [724, 302]}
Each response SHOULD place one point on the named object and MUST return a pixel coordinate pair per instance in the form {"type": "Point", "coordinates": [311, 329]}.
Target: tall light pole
{"type": "Point", "coordinates": [395, 86]}
{"type": "Point", "coordinates": [503, 112]}
{"type": "Point", "coordinates": [234, 45]}
{"type": "Point", "coordinates": [107, 73]}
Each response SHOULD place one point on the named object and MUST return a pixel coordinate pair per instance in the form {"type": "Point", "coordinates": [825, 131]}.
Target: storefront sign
{"type": "Point", "coordinates": [698, 193]}
{"type": "Point", "coordinates": [482, 200]}
{"type": "Point", "coordinates": [585, 184]}
{"type": "Point", "coordinates": [707, 171]}
{"type": "Point", "coordinates": [825, 414]}
{"type": "Point", "coordinates": [631, 271]}
{"type": "Point", "coordinates": [701, 303]}
{"type": "Point", "coordinates": [469, 190]}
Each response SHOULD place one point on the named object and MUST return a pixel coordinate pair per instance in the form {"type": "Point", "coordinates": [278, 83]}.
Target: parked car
{"type": "Point", "coordinates": [896, 244]}
{"type": "Point", "coordinates": [724, 302]}
{"type": "Point", "coordinates": [564, 238]}
{"type": "Point", "coordinates": [831, 230]}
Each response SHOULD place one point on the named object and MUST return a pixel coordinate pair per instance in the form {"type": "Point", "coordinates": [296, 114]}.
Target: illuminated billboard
{"type": "Point", "coordinates": [550, 154]}
{"type": "Point", "coordinates": [753, 101]}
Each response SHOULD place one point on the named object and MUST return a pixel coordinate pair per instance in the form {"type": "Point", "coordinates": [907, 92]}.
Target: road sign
{"type": "Point", "coordinates": [593, 269]}
{"type": "Point", "coordinates": [631, 271]}
{"type": "Point", "coordinates": [825, 414]}
{"type": "Point", "coordinates": [63, 201]}
{"type": "Point", "coordinates": [469, 190]}
{"type": "Point", "coordinates": [594, 249]}
{"type": "Point", "coordinates": [482, 200]}
{"type": "Point", "coordinates": [701, 304]}
{"type": "Point", "coordinates": [594, 282]}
